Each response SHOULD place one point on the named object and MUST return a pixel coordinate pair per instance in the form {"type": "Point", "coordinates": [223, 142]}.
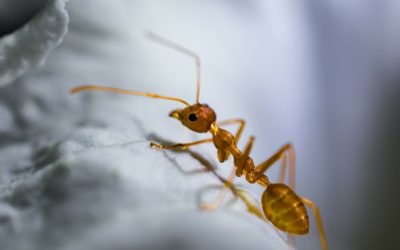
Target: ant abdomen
{"type": "Point", "coordinates": [285, 209]}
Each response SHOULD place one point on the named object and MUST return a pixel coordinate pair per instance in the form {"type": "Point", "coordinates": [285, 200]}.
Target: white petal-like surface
{"type": "Point", "coordinates": [27, 48]}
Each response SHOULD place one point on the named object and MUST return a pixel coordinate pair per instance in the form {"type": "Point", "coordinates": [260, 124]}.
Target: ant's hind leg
{"type": "Point", "coordinates": [318, 219]}
{"type": "Point", "coordinates": [281, 155]}
{"type": "Point", "coordinates": [181, 146]}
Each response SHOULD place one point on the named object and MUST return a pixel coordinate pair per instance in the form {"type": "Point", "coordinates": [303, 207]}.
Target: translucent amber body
{"type": "Point", "coordinates": [285, 209]}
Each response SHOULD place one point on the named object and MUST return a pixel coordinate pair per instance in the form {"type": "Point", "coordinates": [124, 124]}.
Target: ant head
{"type": "Point", "coordinates": [197, 117]}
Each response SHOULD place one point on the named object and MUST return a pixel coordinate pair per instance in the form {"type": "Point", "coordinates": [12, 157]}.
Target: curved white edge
{"type": "Point", "coordinates": [28, 47]}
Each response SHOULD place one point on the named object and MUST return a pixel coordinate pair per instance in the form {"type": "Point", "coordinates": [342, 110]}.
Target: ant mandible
{"type": "Point", "coordinates": [280, 204]}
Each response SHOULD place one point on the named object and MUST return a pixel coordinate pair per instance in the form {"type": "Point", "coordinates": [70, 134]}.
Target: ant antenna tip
{"type": "Point", "coordinates": [73, 90]}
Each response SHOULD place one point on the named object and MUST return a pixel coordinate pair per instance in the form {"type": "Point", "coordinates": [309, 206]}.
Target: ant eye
{"type": "Point", "coordinates": [193, 117]}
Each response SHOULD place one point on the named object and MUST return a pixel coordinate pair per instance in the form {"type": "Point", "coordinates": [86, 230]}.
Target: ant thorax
{"type": "Point", "coordinates": [224, 142]}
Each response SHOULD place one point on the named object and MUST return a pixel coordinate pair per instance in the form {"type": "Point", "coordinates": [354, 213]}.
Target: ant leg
{"type": "Point", "coordinates": [251, 207]}
{"type": "Point", "coordinates": [238, 194]}
{"type": "Point", "coordinates": [229, 182]}
{"type": "Point", "coordinates": [318, 219]}
{"type": "Point", "coordinates": [241, 122]}
{"type": "Point", "coordinates": [246, 153]}
{"type": "Point", "coordinates": [182, 146]}
{"type": "Point", "coordinates": [280, 155]}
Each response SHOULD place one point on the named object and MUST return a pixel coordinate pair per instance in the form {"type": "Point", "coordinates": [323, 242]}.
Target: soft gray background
{"type": "Point", "coordinates": [321, 74]}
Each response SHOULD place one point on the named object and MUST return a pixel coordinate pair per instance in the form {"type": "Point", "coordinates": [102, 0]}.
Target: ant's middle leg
{"type": "Point", "coordinates": [280, 155]}
{"type": "Point", "coordinates": [241, 122]}
{"type": "Point", "coordinates": [182, 146]}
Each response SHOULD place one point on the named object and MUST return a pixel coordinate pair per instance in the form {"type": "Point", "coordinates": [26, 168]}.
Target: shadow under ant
{"type": "Point", "coordinates": [238, 193]}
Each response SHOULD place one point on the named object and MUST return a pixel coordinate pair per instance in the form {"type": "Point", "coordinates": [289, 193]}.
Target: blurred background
{"type": "Point", "coordinates": [324, 75]}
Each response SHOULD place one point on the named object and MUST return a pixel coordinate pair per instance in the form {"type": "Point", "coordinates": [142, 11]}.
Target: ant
{"type": "Point", "coordinates": [280, 204]}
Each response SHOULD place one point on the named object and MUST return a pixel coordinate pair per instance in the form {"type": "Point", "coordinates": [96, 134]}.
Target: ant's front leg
{"type": "Point", "coordinates": [181, 146]}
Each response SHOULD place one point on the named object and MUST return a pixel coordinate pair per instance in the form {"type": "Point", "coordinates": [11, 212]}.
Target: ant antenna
{"type": "Point", "coordinates": [161, 40]}
{"type": "Point", "coordinates": [127, 92]}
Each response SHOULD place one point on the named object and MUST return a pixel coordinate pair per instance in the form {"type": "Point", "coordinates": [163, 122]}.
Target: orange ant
{"type": "Point", "coordinates": [280, 204]}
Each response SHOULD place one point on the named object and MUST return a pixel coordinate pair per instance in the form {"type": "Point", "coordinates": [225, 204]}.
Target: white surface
{"type": "Point", "coordinates": [76, 172]}
{"type": "Point", "coordinates": [27, 48]}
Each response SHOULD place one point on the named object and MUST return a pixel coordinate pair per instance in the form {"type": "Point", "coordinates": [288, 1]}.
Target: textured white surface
{"type": "Point", "coordinates": [76, 172]}
{"type": "Point", "coordinates": [28, 47]}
